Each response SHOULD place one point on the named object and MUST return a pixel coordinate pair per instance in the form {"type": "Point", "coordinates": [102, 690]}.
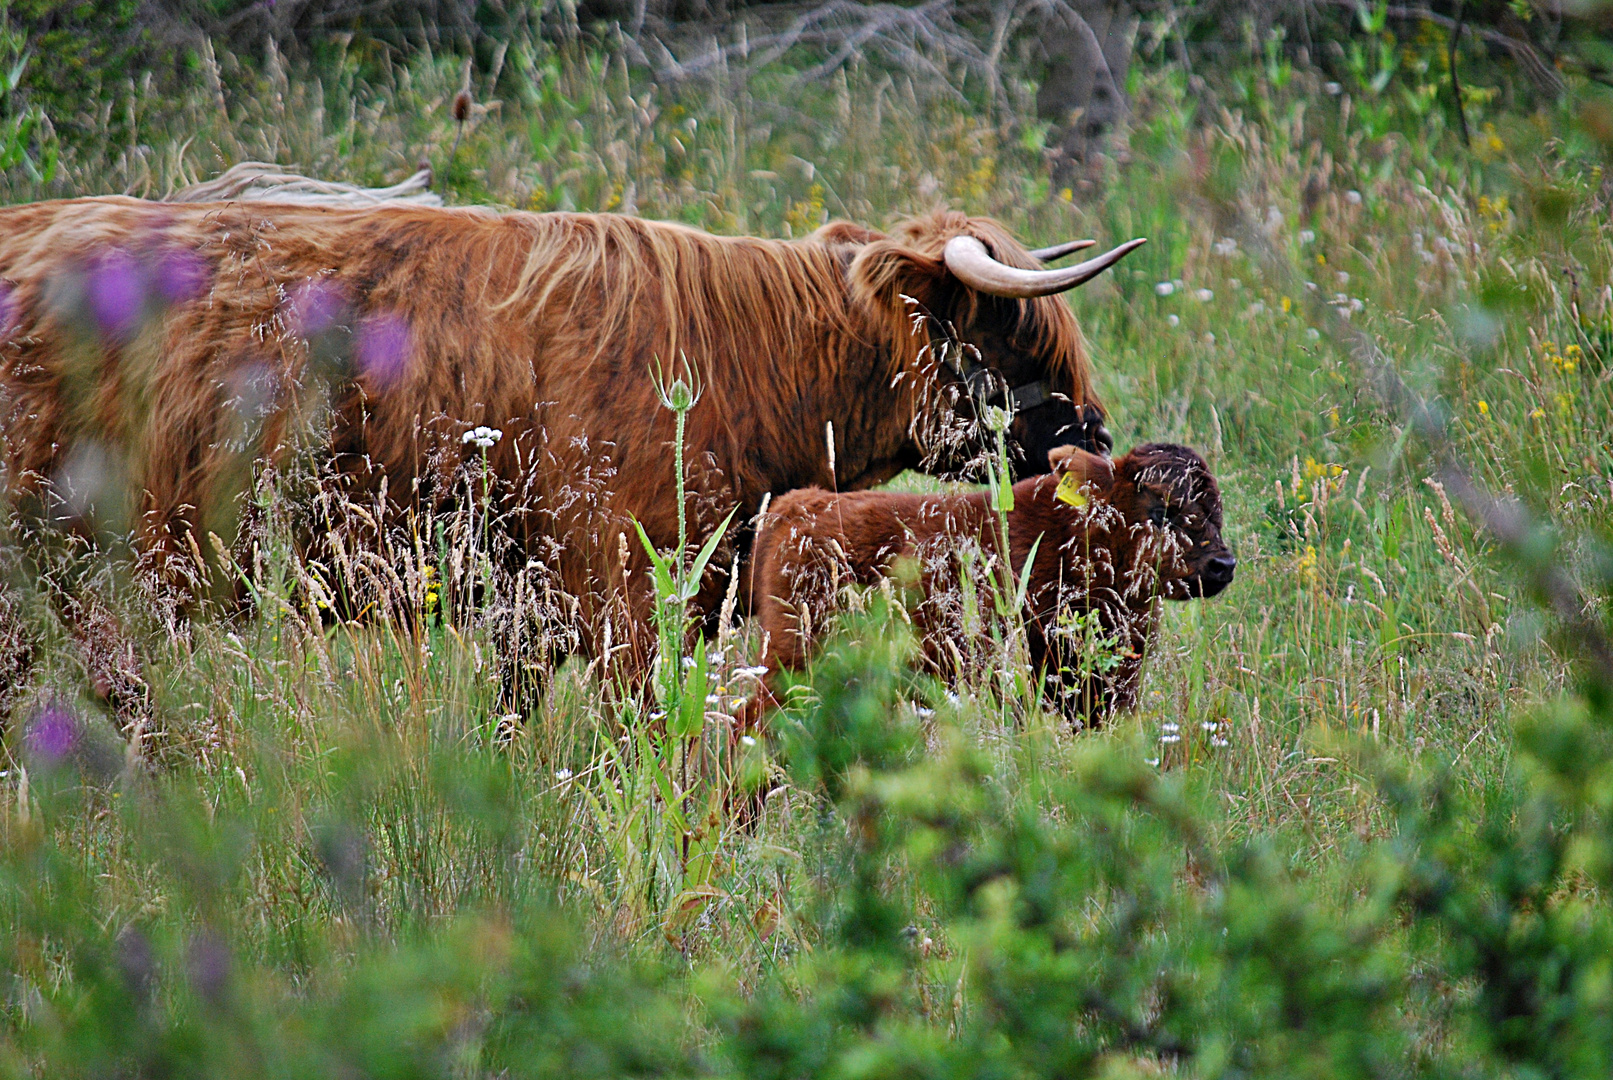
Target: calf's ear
{"type": "Point", "coordinates": [1085, 466]}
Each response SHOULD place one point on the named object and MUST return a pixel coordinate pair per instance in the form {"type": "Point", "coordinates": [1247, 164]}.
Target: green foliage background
{"type": "Point", "coordinates": [1359, 826]}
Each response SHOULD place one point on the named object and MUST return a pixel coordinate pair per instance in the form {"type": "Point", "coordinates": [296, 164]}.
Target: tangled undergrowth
{"type": "Point", "coordinates": [1358, 825]}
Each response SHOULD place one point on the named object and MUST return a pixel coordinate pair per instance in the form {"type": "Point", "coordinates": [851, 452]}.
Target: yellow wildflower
{"type": "Point", "coordinates": [1484, 408]}
{"type": "Point", "coordinates": [1315, 470]}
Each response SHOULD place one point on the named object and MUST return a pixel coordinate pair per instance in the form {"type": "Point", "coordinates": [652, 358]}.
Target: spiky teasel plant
{"type": "Point", "coordinates": [664, 801]}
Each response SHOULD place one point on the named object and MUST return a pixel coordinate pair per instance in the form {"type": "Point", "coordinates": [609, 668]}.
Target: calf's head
{"type": "Point", "coordinates": [1162, 514]}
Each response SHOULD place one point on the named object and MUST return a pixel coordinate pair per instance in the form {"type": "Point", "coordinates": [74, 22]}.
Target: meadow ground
{"type": "Point", "coordinates": [341, 836]}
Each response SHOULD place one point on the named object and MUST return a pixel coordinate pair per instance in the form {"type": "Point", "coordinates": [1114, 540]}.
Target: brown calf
{"type": "Point", "coordinates": [1115, 537]}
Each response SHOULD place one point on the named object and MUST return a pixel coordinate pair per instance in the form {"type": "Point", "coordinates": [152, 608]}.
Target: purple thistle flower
{"type": "Point", "coordinates": [8, 311]}
{"type": "Point", "coordinates": [53, 734]}
{"type": "Point", "coordinates": [209, 964]}
{"type": "Point", "coordinates": [180, 274]}
{"type": "Point", "coordinates": [382, 347]}
{"type": "Point", "coordinates": [116, 290]}
{"type": "Point", "coordinates": [315, 306]}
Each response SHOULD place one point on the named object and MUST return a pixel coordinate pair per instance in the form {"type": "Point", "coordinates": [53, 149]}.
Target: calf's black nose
{"type": "Point", "coordinates": [1221, 568]}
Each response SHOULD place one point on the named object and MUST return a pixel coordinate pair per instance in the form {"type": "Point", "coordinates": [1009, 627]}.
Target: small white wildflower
{"type": "Point", "coordinates": [481, 437]}
{"type": "Point", "coordinates": [1307, 236]}
{"type": "Point", "coordinates": [1344, 277]}
{"type": "Point", "coordinates": [1218, 741]}
{"type": "Point", "coordinates": [923, 713]}
{"type": "Point", "coordinates": [1170, 727]}
{"type": "Point", "coordinates": [1224, 246]}
{"type": "Point", "coordinates": [1203, 296]}
{"type": "Point", "coordinates": [562, 775]}
{"type": "Point", "coordinates": [1332, 89]}
{"type": "Point", "coordinates": [688, 662]}
{"type": "Point", "coordinates": [655, 717]}
{"type": "Point", "coordinates": [1208, 725]}
{"type": "Point", "coordinates": [1312, 333]}
{"type": "Point", "coordinates": [752, 672]}
{"type": "Point", "coordinates": [1164, 288]}
{"type": "Point", "coordinates": [747, 740]}
{"type": "Point", "coordinates": [713, 700]}
{"type": "Point", "coordinates": [1154, 761]}
{"type": "Point", "coordinates": [1168, 739]}
{"type": "Point", "coordinates": [1356, 304]}
{"type": "Point", "coordinates": [1353, 197]}
{"type": "Point", "coordinates": [1173, 320]}
{"type": "Point", "coordinates": [1209, 337]}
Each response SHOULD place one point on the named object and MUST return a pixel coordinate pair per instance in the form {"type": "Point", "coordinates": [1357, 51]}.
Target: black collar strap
{"type": "Point", "coordinates": [983, 382]}
{"type": "Point", "coordinates": [1031, 395]}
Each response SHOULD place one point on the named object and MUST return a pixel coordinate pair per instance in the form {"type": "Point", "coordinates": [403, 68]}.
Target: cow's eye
{"type": "Point", "coordinates": [1157, 515]}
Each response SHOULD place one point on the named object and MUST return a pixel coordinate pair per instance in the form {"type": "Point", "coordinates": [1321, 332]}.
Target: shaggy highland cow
{"type": "Point", "coordinates": [178, 340]}
{"type": "Point", "coordinates": [1111, 538]}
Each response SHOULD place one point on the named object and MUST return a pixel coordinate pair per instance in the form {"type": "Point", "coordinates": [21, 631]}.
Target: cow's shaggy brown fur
{"type": "Point", "coordinates": [545, 326]}
{"type": "Point", "coordinates": [1150, 528]}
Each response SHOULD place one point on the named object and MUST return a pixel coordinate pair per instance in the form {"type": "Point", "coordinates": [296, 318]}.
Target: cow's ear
{"type": "Point", "coordinates": [1085, 466]}
{"type": "Point", "coordinates": [886, 274]}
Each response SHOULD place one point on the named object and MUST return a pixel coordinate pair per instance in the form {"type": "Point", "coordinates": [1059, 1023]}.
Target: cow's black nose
{"type": "Point", "coordinates": [1221, 568]}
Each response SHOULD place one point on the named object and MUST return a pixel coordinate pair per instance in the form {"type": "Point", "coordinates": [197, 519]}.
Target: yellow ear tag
{"type": "Point", "coordinates": [1069, 490]}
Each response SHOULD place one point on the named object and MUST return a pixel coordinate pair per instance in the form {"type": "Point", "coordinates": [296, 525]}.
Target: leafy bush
{"type": "Point", "coordinates": [1357, 827]}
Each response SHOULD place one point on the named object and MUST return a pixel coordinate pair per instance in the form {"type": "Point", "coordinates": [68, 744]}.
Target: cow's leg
{"type": "Point", "coordinates": [527, 665]}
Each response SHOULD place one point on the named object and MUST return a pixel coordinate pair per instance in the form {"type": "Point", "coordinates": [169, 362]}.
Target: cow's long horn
{"type": "Point", "coordinates": [973, 265]}
{"type": "Point", "coordinates": [1058, 251]}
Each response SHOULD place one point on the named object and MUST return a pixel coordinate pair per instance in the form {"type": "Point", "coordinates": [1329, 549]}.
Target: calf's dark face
{"type": "Point", "coordinates": [1173, 507]}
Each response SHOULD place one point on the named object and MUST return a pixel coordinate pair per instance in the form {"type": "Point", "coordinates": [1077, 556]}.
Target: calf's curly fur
{"type": "Point", "coordinates": [1147, 527]}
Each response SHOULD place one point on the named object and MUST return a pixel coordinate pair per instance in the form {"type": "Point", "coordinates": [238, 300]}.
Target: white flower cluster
{"type": "Point", "coordinates": [481, 437]}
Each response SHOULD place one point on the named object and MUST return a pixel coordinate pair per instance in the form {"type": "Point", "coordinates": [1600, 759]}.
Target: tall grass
{"type": "Point", "coordinates": [337, 845]}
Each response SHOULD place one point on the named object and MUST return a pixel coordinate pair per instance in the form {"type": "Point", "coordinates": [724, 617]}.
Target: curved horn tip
{"type": "Point", "coordinates": [969, 261]}
{"type": "Point", "coordinates": [1058, 251]}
